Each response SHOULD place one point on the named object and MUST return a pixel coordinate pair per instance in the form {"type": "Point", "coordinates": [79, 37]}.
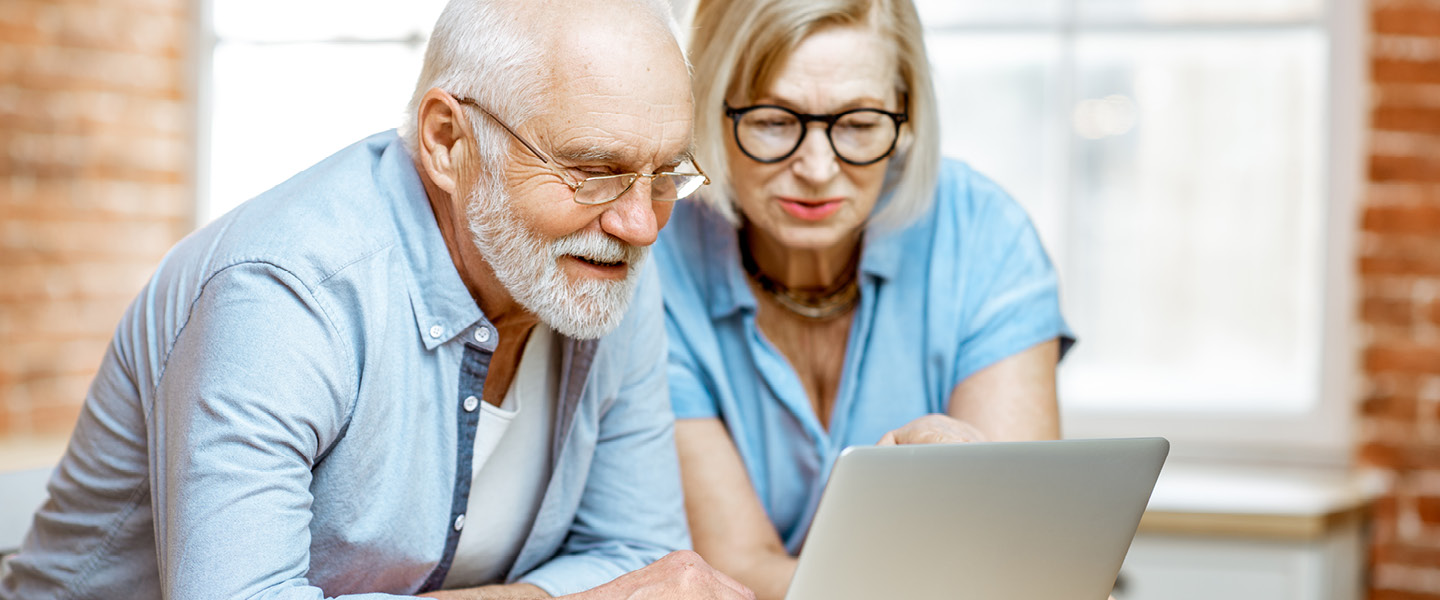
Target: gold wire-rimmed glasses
{"type": "Point", "coordinates": [665, 186]}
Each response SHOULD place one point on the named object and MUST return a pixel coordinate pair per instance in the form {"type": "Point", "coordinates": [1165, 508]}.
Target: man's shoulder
{"type": "Point", "coordinates": [313, 225]}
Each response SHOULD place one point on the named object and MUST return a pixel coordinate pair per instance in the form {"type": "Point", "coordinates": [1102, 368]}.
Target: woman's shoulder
{"type": "Point", "coordinates": [689, 246]}
{"type": "Point", "coordinates": [968, 201]}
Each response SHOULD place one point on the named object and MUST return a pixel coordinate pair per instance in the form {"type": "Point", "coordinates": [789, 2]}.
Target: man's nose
{"type": "Point", "coordinates": [631, 217]}
{"type": "Point", "coordinates": [815, 161]}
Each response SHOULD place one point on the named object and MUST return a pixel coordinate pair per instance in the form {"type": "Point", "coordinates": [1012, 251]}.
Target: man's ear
{"type": "Point", "coordinates": [444, 142]}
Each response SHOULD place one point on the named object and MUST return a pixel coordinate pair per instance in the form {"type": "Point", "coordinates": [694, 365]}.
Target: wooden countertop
{"type": "Point", "coordinates": [1258, 503]}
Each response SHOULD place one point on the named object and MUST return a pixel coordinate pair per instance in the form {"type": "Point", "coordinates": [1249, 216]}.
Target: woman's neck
{"type": "Point", "coordinates": [802, 268]}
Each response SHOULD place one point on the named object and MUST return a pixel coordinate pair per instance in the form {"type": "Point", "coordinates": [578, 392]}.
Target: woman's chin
{"type": "Point", "coordinates": [813, 236]}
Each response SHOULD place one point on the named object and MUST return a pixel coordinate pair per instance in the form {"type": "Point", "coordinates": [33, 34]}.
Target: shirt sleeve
{"type": "Point", "coordinates": [257, 385]}
{"type": "Point", "coordinates": [1012, 289]}
{"type": "Point", "coordinates": [631, 512]}
{"type": "Point", "coordinates": [689, 397]}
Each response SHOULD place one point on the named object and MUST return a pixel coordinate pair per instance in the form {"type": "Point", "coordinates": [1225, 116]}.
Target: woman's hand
{"type": "Point", "coordinates": [933, 429]}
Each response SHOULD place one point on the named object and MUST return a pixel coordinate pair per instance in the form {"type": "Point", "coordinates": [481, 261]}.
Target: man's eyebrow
{"type": "Point", "coordinates": [688, 154]}
{"type": "Point", "coordinates": [587, 154]}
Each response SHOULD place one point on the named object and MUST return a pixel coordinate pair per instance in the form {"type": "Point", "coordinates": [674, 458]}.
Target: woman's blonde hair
{"type": "Point", "coordinates": [738, 47]}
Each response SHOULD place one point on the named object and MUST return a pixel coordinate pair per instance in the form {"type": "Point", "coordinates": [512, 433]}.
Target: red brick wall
{"type": "Point", "coordinates": [1399, 262]}
{"type": "Point", "coordinates": [95, 156]}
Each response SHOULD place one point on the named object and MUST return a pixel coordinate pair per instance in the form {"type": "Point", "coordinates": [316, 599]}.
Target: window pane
{"type": "Point", "coordinates": [942, 13]}
{"type": "Point", "coordinates": [1199, 11]}
{"type": "Point", "coordinates": [998, 102]}
{"type": "Point", "coordinates": [1193, 253]}
{"type": "Point", "coordinates": [267, 20]}
{"type": "Point", "coordinates": [278, 109]}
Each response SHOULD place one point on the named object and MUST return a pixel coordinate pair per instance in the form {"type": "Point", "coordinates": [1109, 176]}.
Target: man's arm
{"type": "Point", "coordinates": [256, 386]}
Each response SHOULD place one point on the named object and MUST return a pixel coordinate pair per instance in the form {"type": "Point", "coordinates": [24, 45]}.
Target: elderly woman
{"type": "Point", "coordinates": [840, 284]}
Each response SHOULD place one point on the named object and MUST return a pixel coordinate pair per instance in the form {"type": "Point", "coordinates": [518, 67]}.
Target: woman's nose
{"type": "Point", "coordinates": [815, 161]}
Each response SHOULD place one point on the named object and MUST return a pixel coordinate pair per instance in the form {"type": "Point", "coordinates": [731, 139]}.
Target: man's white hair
{"type": "Point", "coordinates": [491, 51]}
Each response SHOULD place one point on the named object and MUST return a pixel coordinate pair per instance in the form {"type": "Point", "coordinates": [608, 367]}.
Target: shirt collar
{"type": "Point", "coordinates": [442, 304]}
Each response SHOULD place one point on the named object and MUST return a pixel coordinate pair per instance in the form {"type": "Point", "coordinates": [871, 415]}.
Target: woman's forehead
{"type": "Point", "coordinates": [835, 64]}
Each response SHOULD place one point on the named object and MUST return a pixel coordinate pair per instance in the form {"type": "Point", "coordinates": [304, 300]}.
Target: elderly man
{"type": "Point", "coordinates": [411, 368]}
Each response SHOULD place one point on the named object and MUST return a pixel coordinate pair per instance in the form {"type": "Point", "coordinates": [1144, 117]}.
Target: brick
{"type": "Point", "coordinates": [62, 389]}
{"type": "Point", "coordinates": [87, 111]}
{"type": "Point", "coordinates": [51, 418]}
{"type": "Point", "coordinates": [1395, 254]}
{"type": "Point", "coordinates": [1395, 407]}
{"type": "Point", "coordinates": [1428, 507]}
{"type": "Point", "coordinates": [25, 358]}
{"type": "Point", "coordinates": [54, 198]}
{"type": "Point", "coordinates": [1372, 310]}
{"type": "Point", "coordinates": [1404, 358]}
{"type": "Point", "coordinates": [79, 154]}
{"type": "Point", "coordinates": [1401, 456]}
{"type": "Point", "coordinates": [1409, 554]}
{"type": "Point", "coordinates": [73, 280]}
{"type": "Point", "coordinates": [1379, 454]}
{"type": "Point", "coordinates": [55, 67]}
{"type": "Point", "coordinates": [1406, 21]}
{"type": "Point", "coordinates": [1424, 219]}
{"type": "Point", "coordinates": [1404, 168]}
{"type": "Point", "coordinates": [80, 240]}
{"type": "Point", "coordinates": [1383, 594]}
{"type": "Point", "coordinates": [1423, 120]}
{"type": "Point", "coordinates": [61, 319]}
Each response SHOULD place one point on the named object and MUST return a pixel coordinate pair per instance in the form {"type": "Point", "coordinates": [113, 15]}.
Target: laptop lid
{"type": "Point", "coordinates": [993, 521]}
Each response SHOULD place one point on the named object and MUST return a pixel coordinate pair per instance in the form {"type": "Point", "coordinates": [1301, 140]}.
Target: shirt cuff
{"type": "Point", "coordinates": [571, 574]}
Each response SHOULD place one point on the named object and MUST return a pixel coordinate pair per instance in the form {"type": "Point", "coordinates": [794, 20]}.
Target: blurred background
{"type": "Point", "coordinates": [1242, 198]}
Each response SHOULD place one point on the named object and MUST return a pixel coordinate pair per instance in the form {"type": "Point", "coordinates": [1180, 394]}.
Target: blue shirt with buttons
{"type": "Point", "coordinates": [288, 410]}
{"type": "Point", "coordinates": [964, 286]}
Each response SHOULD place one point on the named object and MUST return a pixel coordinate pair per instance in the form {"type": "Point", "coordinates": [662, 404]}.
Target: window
{"type": "Point", "coordinates": [291, 83]}
{"type": "Point", "coordinates": [1184, 162]}
{"type": "Point", "coordinates": [1190, 164]}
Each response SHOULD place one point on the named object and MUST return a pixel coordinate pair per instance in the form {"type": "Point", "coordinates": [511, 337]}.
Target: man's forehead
{"type": "Point", "coordinates": [625, 149]}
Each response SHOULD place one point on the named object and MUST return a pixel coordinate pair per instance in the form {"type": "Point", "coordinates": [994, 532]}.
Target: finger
{"type": "Point", "coordinates": [736, 586]}
{"type": "Point", "coordinates": [888, 440]}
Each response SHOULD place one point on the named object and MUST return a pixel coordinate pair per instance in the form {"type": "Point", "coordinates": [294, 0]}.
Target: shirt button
{"type": "Point", "coordinates": [459, 522]}
{"type": "Point", "coordinates": [436, 330]}
{"type": "Point", "coordinates": [482, 334]}
{"type": "Point", "coordinates": [471, 403]}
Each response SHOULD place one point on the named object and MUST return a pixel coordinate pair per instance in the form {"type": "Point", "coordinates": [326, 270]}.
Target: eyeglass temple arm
{"type": "Point", "coordinates": [532, 149]}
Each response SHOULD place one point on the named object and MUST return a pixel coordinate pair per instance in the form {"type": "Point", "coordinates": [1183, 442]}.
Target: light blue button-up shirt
{"type": "Point", "coordinates": [282, 414]}
{"type": "Point", "coordinates": [963, 287]}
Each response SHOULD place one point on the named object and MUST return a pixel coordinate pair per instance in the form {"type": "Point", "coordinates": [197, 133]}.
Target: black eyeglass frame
{"type": "Point", "coordinates": [806, 119]}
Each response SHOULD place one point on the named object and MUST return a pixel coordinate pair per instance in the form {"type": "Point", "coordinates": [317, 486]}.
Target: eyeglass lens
{"type": "Point", "coordinates": [664, 187]}
{"type": "Point", "coordinates": [772, 133]}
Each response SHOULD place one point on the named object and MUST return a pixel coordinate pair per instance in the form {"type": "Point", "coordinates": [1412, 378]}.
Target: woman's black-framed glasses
{"type": "Point", "coordinates": [769, 134]}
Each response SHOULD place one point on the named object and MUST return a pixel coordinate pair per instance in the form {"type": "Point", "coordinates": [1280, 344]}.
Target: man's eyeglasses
{"type": "Point", "coordinates": [665, 186]}
{"type": "Point", "coordinates": [770, 134]}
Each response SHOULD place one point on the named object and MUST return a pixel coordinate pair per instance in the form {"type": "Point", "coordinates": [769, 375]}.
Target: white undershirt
{"type": "Point", "coordinates": [511, 468]}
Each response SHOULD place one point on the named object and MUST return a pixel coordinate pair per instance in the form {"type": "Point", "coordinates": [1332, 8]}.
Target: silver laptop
{"type": "Point", "coordinates": [989, 521]}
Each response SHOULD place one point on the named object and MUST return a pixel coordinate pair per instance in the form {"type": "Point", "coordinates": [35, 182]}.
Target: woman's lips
{"type": "Point", "coordinates": [810, 209]}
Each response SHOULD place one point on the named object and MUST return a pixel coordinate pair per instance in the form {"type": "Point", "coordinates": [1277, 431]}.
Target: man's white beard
{"type": "Point", "coordinates": [528, 266]}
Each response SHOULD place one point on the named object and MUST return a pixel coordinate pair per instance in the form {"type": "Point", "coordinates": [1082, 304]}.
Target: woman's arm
{"type": "Point", "coordinates": [727, 522]}
{"type": "Point", "coordinates": [1011, 400]}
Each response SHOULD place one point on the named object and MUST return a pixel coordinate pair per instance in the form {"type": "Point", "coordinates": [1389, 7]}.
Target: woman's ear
{"type": "Point", "coordinates": [443, 143]}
